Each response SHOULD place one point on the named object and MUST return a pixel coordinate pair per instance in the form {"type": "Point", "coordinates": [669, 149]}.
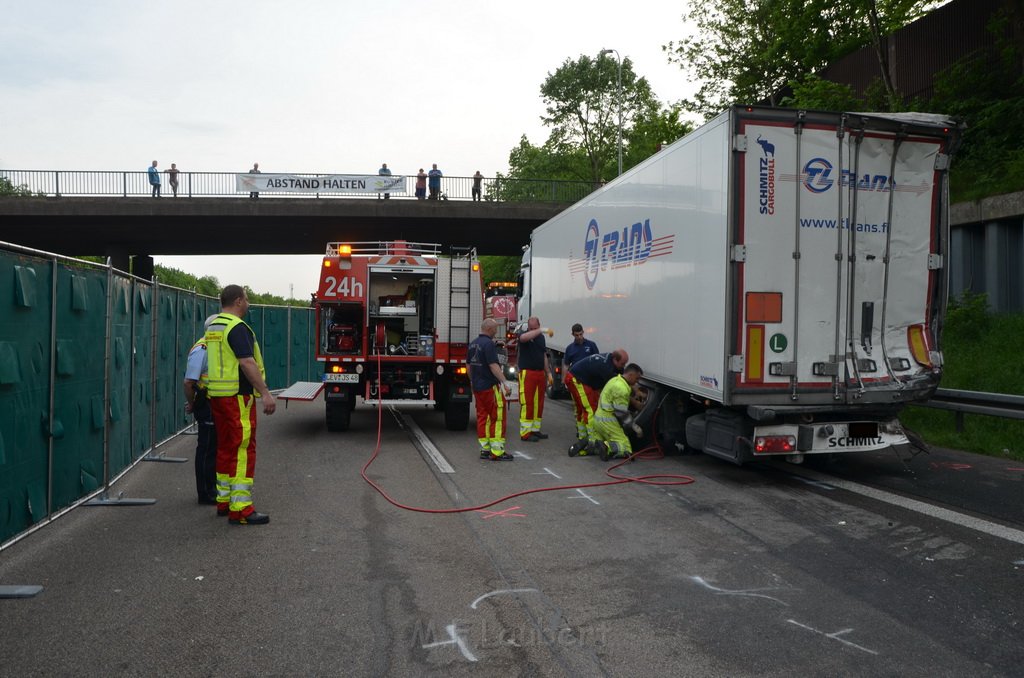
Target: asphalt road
{"type": "Point", "coordinates": [867, 566]}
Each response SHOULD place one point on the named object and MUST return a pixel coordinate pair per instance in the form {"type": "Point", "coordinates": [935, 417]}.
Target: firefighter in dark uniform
{"type": "Point", "coordinates": [490, 388]}
{"type": "Point", "coordinates": [534, 376]}
{"type": "Point", "coordinates": [585, 380]}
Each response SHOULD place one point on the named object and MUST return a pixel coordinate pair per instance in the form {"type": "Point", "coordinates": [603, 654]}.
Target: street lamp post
{"type": "Point", "coordinates": [618, 84]}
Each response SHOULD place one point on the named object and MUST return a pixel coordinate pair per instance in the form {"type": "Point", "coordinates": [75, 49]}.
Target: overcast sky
{"type": "Point", "coordinates": [310, 86]}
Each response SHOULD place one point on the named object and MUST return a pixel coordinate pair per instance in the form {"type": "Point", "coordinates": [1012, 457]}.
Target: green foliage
{"type": "Point", "coordinates": [816, 93]}
{"type": "Point", "coordinates": [499, 268]}
{"type": "Point", "coordinates": [986, 91]}
{"type": "Point", "coordinates": [980, 351]}
{"type": "Point", "coordinates": [582, 112]}
{"type": "Point", "coordinates": [744, 52]}
{"type": "Point", "coordinates": [582, 107]}
{"type": "Point", "coordinates": [9, 189]}
{"type": "Point", "coordinates": [651, 131]}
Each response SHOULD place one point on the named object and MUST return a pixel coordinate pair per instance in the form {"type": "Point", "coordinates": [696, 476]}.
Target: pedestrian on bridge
{"type": "Point", "coordinates": [434, 181]}
{"type": "Point", "coordinates": [384, 172]}
{"type": "Point", "coordinates": [477, 185]}
{"type": "Point", "coordinates": [255, 170]}
{"type": "Point", "coordinates": [421, 185]}
{"type": "Point", "coordinates": [154, 179]}
{"type": "Point", "coordinates": [172, 179]}
{"type": "Point", "coordinates": [236, 375]}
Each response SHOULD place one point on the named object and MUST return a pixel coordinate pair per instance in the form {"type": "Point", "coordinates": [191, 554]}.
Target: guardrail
{"type": "Point", "coordinates": [976, 402]}
{"type": "Point", "coordinates": [122, 184]}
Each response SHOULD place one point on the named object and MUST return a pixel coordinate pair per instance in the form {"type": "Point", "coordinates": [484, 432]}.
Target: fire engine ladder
{"type": "Point", "coordinates": [458, 302]}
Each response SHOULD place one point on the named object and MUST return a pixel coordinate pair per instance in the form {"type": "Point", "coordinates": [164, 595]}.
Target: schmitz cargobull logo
{"type": "Point", "coordinates": [632, 246]}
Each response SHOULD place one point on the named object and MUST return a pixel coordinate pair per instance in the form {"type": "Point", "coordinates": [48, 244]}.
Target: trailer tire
{"type": "Point", "coordinates": [695, 432]}
{"type": "Point", "coordinates": [339, 416]}
{"type": "Point", "coordinates": [557, 391]}
{"type": "Point", "coordinates": [456, 416]}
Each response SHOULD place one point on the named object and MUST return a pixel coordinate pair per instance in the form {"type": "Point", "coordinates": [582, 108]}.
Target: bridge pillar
{"type": "Point", "coordinates": [119, 259]}
{"type": "Point", "coordinates": [143, 266]}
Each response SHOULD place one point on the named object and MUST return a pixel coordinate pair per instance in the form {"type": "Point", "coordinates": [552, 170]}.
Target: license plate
{"type": "Point", "coordinates": [343, 378]}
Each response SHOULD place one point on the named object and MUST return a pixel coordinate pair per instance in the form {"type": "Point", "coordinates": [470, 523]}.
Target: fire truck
{"type": "Point", "coordinates": [500, 303]}
{"type": "Point", "coordinates": [393, 324]}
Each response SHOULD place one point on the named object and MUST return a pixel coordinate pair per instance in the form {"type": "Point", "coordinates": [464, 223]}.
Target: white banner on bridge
{"type": "Point", "coordinates": [330, 183]}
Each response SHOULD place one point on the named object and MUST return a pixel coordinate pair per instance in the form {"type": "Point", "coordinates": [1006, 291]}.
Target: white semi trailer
{"type": "Point", "coordinates": [780, 275]}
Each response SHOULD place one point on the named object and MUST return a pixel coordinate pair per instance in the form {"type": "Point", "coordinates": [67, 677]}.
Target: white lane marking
{"type": "Point", "coordinates": [455, 639]}
{"type": "Point", "coordinates": [584, 495]}
{"type": "Point", "coordinates": [499, 592]}
{"type": "Point", "coordinates": [546, 472]}
{"type": "Point", "coordinates": [435, 454]}
{"type": "Point", "coordinates": [524, 455]}
{"type": "Point", "coordinates": [834, 636]}
{"type": "Point", "coordinates": [749, 593]}
{"type": "Point", "coordinates": [979, 524]}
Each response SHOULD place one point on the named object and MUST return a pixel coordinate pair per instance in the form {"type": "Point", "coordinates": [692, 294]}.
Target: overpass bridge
{"type": "Point", "coordinates": [112, 214]}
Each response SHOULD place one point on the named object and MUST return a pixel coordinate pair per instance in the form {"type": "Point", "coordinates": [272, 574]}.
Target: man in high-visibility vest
{"type": "Point", "coordinates": [235, 373]}
{"type": "Point", "coordinates": [613, 419]}
{"type": "Point", "coordinates": [197, 404]}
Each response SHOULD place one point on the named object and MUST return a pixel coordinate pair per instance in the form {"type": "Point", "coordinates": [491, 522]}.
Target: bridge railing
{"type": "Point", "coordinates": [57, 183]}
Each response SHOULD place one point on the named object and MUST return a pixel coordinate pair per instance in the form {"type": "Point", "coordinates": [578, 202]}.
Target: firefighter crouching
{"type": "Point", "coordinates": [235, 372]}
{"type": "Point", "coordinates": [613, 417]}
{"type": "Point", "coordinates": [586, 379]}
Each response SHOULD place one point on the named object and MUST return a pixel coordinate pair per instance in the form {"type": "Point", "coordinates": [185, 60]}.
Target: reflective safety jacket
{"type": "Point", "coordinates": [222, 364]}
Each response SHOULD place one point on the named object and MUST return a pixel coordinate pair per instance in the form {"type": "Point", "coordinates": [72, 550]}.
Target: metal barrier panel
{"type": "Point", "coordinates": [79, 416]}
{"type": "Point", "coordinates": [271, 328]}
{"type": "Point", "coordinates": [170, 365]}
{"type": "Point", "coordinates": [302, 364]}
{"type": "Point", "coordinates": [142, 369]}
{"type": "Point", "coordinates": [122, 345]}
{"type": "Point", "coordinates": [91, 365]}
{"type": "Point", "coordinates": [25, 362]}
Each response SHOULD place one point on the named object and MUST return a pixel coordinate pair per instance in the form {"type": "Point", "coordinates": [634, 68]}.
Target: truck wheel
{"type": "Point", "coordinates": [338, 416]}
{"type": "Point", "coordinates": [695, 426]}
{"type": "Point", "coordinates": [456, 416]}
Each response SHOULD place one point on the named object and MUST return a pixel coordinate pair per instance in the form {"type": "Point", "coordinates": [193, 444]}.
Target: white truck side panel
{"type": "Point", "coordinates": [642, 264]}
{"type": "Point", "coordinates": [799, 254]}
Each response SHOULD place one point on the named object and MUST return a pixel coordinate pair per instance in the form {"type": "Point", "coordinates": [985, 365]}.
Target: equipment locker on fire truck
{"type": "Point", "coordinates": [393, 322]}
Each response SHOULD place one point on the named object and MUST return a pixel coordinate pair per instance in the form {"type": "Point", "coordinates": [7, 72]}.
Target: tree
{"type": "Point", "coordinates": [653, 131]}
{"type": "Point", "coordinates": [499, 268]}
{"type": "Point", "coordinates": [581, 100]}
{"type": "Point", "coordinates": [9, 189]}
{"type": "Point", "coordinates": [986, 91]}
{"type": "Point", "coordinates": [581, 105]}
{"type": "Point", "coordinates": [747, 52]}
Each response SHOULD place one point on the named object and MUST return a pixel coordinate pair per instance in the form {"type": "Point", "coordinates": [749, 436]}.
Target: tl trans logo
{"type": "Point", "coordinates": [632, 246]}
{"type": "Point", "coordinates": [818, 178]}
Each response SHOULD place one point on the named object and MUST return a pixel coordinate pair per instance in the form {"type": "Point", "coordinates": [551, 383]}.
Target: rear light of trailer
{"type": "Point", "coordinates": [774, 444]}
{"type": "Point", "coordinates": [917, 338]}
{"type": "Point", "coordinates": [461, 369]}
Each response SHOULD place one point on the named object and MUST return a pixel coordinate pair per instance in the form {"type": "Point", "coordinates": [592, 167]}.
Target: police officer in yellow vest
{"type": "Point", "coordinates": [197, 404]}
{"type": "Point", "coordinates": [235, 373]}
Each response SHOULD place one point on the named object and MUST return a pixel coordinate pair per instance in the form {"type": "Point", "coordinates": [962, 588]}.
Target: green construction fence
{"type": "Point", "coordinates": [91, 369]}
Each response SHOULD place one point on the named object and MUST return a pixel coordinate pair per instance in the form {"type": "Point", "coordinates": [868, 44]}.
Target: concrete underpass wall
{"type": "Point", "coordinates": [91, 367]}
